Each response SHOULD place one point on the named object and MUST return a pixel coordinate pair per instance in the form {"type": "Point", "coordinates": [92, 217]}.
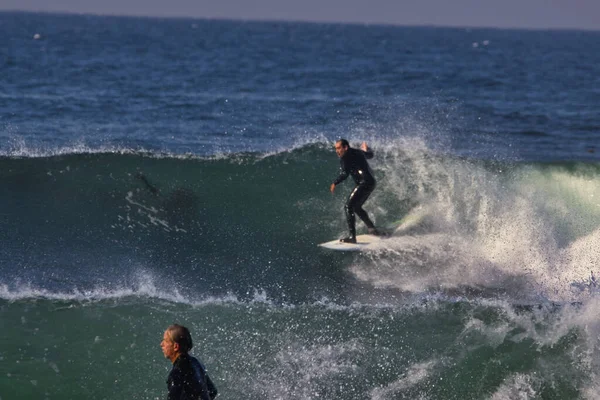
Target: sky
{"type": "Point", "coordinates": [530, 14]}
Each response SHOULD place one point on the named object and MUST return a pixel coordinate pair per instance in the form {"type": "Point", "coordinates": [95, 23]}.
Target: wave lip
{"type": "Point", "coordinates": [144, 289]}
{"type": "Point", "coordinates": [27, 292]}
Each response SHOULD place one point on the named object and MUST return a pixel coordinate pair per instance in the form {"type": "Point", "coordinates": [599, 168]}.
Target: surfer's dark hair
{"type": "Point", "coordinates": [343, 142]}
{"type": "Point", "coordinates": [181, 335]}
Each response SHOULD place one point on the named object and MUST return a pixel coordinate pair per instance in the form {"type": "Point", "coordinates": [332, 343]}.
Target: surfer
{"type": "Point", "coordinates": [188, 379]}
{"type": "Point", "coordinates": [354, 162]}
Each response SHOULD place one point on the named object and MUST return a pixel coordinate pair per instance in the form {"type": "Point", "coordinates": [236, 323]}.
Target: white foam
{"type": "Point", "coordinates": [414, 375]}
{"type": "Point", "coordinates": [143, 286]}
{"type": "Point", "coordinates": [300, 368]}
{"type": "Point", "coordinates": [591, 389]}
{"type": "Point", "coordinates": [516, 387]}
{"type": "Point", "coordinates": [18, 147]}
{"type": "Point", "coordinates": [531, 233]}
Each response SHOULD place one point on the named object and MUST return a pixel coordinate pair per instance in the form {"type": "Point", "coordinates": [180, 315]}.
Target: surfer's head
{"type": "Point", "coordinates": [177, 340]}
{"type": "Point", "coordinates": [341, 147]}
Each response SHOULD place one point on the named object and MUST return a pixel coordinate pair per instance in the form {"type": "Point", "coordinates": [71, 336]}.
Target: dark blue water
{"type": "Point", "coordinates": [201, 87]}
{"type": "Point", "coordinates": [168, 170]}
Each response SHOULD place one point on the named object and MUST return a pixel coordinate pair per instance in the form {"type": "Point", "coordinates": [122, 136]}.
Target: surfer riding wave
{"type": "Point", "coordinates": [353, 162]}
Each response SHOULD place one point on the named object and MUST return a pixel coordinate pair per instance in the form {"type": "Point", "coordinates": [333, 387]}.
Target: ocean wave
{"type": "Point", "coordinates": [247, 220]}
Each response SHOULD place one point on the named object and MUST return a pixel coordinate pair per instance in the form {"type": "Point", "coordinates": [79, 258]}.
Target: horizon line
{"type": "Point", "coordinates": [292, 21]}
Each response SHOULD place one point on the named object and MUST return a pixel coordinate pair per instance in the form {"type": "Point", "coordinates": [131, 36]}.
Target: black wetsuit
{"type": "Point", "coordinates": [188, 380]}
{"type": "Point", "coordinates": [354, 163]}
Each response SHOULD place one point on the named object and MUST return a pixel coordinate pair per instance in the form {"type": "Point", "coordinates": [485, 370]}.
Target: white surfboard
{"type": "Point", "coordinates": [411, 221]}
{"type": "Point", "coordinates": [362, 243]}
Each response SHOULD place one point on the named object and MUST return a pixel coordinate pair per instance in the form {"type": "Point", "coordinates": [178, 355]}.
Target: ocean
{"type": "Point", "coordinates": [158, 171]}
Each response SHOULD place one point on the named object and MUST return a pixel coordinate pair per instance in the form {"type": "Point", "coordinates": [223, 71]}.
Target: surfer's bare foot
{"type": "Point", "coordinates": [348, 240]}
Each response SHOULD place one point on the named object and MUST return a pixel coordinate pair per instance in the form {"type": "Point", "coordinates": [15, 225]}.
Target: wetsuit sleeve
{"type": "Point", "coordinates": [175, 385]}
{"type": "Point", "coordinates": [368, 154]}
{"type": "Point", "coordinates": [343, 173]}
